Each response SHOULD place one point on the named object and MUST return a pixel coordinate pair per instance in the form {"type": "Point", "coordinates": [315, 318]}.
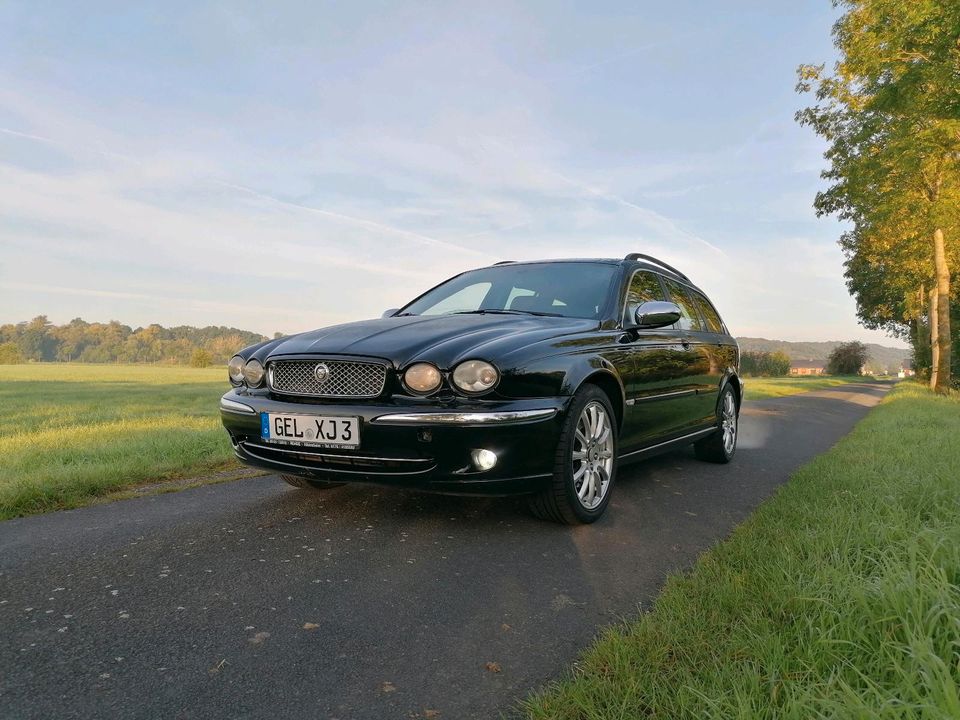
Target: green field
{"type": "Point", "coordinates": [70, 432]}
{"type": "Point", "coordinates": [763, 387]}
{"type": "Point", "coordinates": [838, 598]}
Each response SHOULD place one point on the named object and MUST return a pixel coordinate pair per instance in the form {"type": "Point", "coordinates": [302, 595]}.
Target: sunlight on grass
{"type": "Point", "coordinates": [72, 432]}
{"type": "Point", "coordinates": [838, 598]}
{"type": "Point", "coordinates": [762, 387]}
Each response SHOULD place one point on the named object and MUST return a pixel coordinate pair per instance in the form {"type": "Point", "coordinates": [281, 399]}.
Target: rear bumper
{"type": "Point", "coordinates": [412, 444]}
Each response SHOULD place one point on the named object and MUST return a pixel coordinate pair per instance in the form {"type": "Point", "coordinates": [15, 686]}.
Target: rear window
{"type": "Point", "coordinates": [714, 323]}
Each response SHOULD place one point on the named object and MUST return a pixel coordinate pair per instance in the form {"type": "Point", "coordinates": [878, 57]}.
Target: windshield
{"type": "Point", "coordinates": [572, 289]}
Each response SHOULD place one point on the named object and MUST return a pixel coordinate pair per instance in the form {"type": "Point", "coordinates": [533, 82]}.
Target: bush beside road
{"type": "Point", "coordinates": [837, 598]}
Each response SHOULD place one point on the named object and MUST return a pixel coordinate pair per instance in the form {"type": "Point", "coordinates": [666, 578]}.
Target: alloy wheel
{"type": "Point", "coordinates": [728, 423]}
{"type": "Point", "coordinates": [592, 457]}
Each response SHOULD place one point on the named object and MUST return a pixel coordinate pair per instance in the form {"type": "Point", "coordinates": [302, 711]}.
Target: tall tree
{"type": "Point", "coordinates": [890, 112]}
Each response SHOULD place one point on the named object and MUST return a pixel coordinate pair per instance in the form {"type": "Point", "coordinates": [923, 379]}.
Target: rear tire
{"type": "Point", "coordinates": [585, 464]}
{"type": "Point", "coordinates": [308, 483]}
{"type": "Point", "coordinates": [720, 446]}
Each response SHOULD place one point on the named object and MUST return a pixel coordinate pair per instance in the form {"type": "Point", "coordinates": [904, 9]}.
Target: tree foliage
{"type": "Point", "coordinates": [848, 359]}
{"type": "Point", "coordinates": [80, 341]}
{"type": "Point", "coordinates": [890, 112]}
{"type": "Point", "coordinates": [764, 364]}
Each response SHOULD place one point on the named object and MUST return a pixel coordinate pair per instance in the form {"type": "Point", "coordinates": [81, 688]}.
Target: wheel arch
{"type": "Point", "coordinates": [733, 380]}
{"type": "Point", "coordinates": [611, 386]}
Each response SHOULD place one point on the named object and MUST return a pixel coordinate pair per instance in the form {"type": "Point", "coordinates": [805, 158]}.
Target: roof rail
{"type": "Point", "coordinates": [661, 263]}
{"type": "Point", "coordinates": [503, 262]}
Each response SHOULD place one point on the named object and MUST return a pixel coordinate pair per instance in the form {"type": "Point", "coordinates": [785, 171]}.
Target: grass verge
{"type": "Point", "coordinates": [838, 598]}
{"type": "Point", "coordinates": [71, 433]}
{"type": "Point", "coordinates": [761, 387]}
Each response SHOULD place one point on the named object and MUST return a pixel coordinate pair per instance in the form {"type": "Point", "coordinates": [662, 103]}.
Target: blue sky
{"type": "Point", "coordinates": [282, 166]}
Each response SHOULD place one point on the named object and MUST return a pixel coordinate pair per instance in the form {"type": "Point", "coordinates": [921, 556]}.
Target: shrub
{"type": "Point", "coordinates": [200, 358]}
{"type": "Point", "coordinates": [10, 354]}
{"type": "Point", "coordinates": [847, 359]}
{"type": "Point", "coordinates": [764, 364]}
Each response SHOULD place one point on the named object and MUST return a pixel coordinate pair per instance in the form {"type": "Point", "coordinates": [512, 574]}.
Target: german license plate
{"type": "Point", "coordinates": [316, 430]}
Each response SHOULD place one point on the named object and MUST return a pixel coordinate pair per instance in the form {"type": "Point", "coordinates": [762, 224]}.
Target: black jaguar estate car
{"type": "Point", "coordinates": [523, 377]}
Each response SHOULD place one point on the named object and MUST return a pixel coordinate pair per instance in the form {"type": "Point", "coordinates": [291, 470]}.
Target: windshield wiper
{"type": "Point", "coordinates": [497, 311]}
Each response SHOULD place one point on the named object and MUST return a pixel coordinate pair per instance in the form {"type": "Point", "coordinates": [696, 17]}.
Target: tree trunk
{"type": "Point", "coordinates": [934, 324]}
{"type": "Point", "coordinates": [921, 338]}
{"type": "Point", "coordinates": [944, 343]}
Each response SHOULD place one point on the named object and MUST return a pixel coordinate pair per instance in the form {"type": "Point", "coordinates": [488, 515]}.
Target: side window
{"type": "Point", "coordinates": [714, 324]}
{"type": "Point", "coordinates": [464, 300]}
{"type": "Point", "coordinates": [644, 287]}
{"type": "Point", "coordinates": [689, 317]}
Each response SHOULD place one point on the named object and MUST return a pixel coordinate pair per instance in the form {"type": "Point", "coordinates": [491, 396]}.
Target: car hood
{"type": "Point", "coordinates": [443, 339]}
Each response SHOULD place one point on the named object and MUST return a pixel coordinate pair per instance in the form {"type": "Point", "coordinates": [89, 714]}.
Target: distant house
{"type": "Point", "coordinates": [906, 369]}
{"type": "Point", "coordinates": [807, 368]}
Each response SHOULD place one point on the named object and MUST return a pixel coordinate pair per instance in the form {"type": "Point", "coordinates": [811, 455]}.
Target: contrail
{"type": "Point", "coordinates": [646, 211]}
{"type": "Point", "coordinates": [425, 239]}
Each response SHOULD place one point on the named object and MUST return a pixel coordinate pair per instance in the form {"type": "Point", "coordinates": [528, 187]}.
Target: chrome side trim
{"type": "Point", "coordinates": [463, 418]}
{"type": "Point", "coordinates": [243, 448]}
{"type": "Point", "coordinates": [706, 431]}
{"type": "Point", "coordinates": [660, 396]}
{"type": "Point", "coordinates": [236, 407]}
{"type": "Point", "coordinates": [300, 450]}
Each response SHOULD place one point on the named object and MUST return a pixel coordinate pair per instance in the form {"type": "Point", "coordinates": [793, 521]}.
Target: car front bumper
{"type": "Point", "coordinates": [410, 443]}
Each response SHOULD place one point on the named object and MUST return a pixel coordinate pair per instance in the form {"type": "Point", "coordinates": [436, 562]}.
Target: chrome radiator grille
{"type": "Point", "coordinates": [327, 378]}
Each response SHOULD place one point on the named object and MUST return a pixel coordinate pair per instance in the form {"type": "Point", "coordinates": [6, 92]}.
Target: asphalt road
{"type": "Point", "coordinates": [251, 599]}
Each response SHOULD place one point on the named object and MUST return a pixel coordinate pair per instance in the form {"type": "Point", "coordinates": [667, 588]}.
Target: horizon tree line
{"type": "Point", "coordinates": [39, 340]}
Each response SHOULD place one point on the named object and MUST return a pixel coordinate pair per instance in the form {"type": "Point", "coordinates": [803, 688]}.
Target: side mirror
{"type": "Point", "coordinates": [389, 313]}
{"type": "Point", "coordinates": [656, 314]}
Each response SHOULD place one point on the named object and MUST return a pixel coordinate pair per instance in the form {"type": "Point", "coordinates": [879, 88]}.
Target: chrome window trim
{"type": "Point", "coordinates": [463, 418]}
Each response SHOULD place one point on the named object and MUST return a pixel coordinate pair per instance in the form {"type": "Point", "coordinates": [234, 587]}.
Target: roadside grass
{"type": "Point", "coordinates": [838, 598]}
{"type": "Point", "coordinates": [758, 388]}
{"type": "Point", "coordinates": [71, 433]}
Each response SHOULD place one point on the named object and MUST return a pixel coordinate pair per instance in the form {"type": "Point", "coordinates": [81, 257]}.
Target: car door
{"type": "Point", "coordinates": [703, 370]}
{"type": "Point", "coordinates": [658, 388]}
{"type": "Point", "coordinates": [716, 341]}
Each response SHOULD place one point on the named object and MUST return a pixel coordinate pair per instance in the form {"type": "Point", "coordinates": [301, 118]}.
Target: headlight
{"type": "Point", "coordinates": [475, 376]}
{"type": "Point", "coordinates": [253, 373]}
{"type": "Point", "coordinates": [235, 370]}
{"type": "Point", "coordinates": [422, 378]}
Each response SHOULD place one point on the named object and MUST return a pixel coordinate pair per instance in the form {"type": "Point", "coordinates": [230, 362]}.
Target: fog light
{"type": "Point", "coordinates": [483, 459]}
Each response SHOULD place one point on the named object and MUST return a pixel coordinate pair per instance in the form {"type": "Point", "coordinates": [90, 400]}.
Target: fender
{"type": "Point", "coordinates": [730, 377]}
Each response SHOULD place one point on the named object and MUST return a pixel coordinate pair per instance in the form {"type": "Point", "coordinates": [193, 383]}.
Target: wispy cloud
{"type": "Point", "coordinates": [299, 166]}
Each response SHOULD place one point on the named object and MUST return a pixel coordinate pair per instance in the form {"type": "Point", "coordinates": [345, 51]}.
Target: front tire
{"type": "Point", "coordinates": [585, 465]}
{"type": "Point", "coordinates": [721, 445]}
{"type": "Point", "coordinates": [301, 482]}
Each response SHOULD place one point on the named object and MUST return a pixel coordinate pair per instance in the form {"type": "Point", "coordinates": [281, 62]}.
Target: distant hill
{"type": "Point", "coordinates": [882, 358]}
